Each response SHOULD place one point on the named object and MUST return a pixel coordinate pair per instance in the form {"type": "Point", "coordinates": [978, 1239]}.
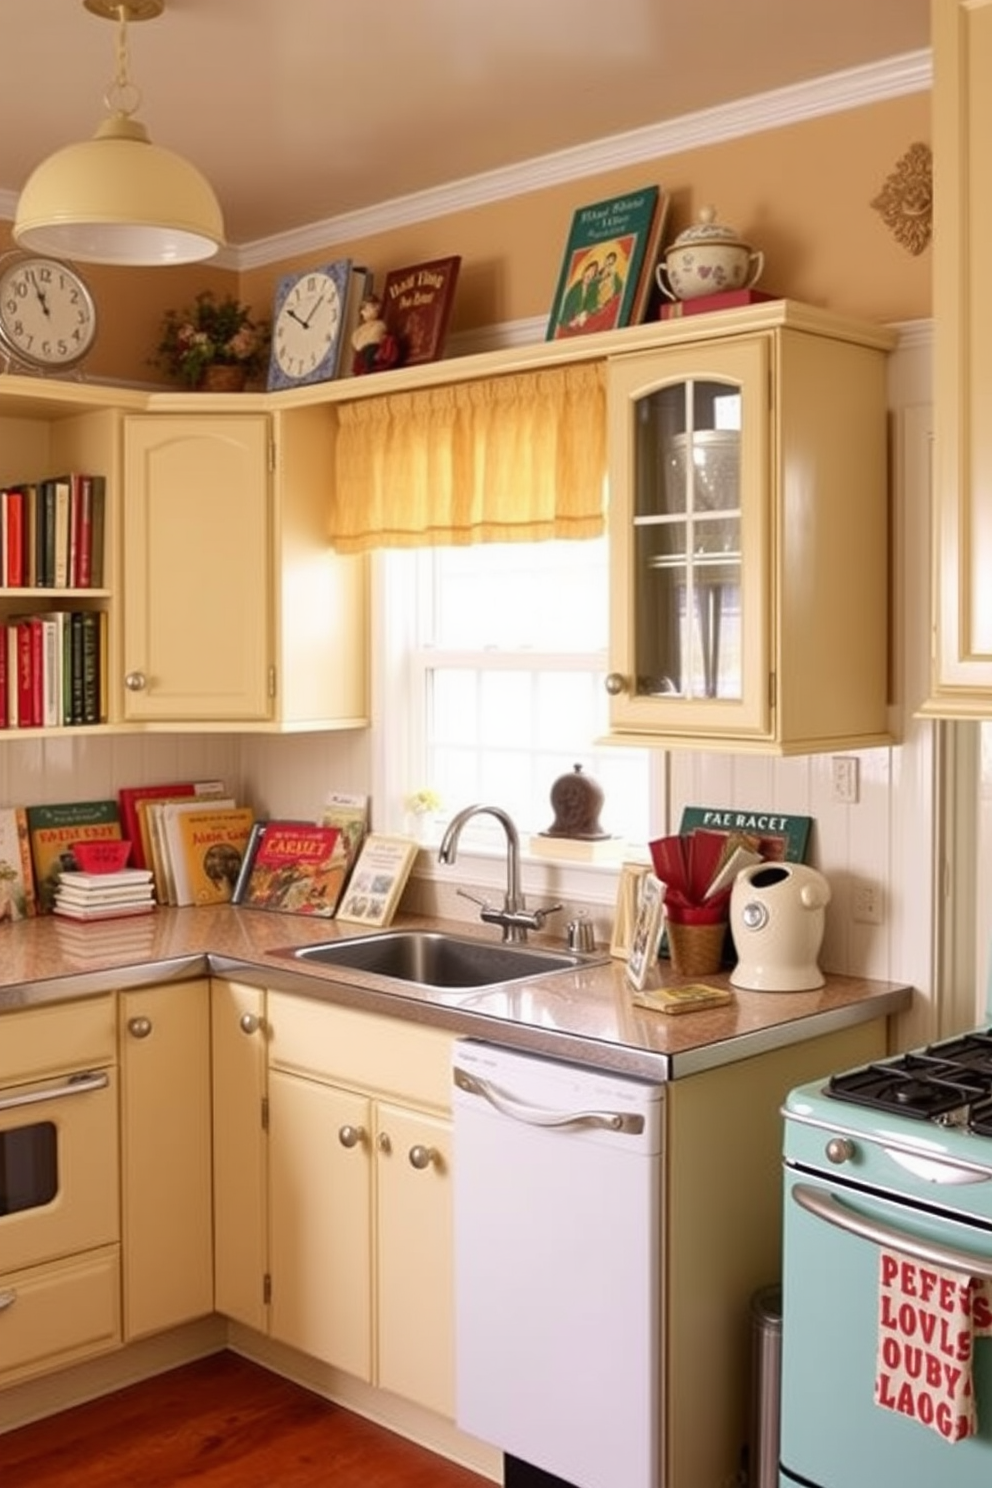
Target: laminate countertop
{"type": "Point", "coordinates": [586, 1015]}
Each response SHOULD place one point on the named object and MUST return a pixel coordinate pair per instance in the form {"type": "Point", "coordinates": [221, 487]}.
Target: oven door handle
{"type": "Point", "coordinates": [75, 1085]}
{"type": "Point", "coordinates": [832, 1211]}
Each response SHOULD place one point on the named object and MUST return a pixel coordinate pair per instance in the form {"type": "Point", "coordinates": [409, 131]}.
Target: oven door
{"type": "Point", "coordinates": [58, 1167]}
{"type": "Point", "coordinates": [833, 1434]}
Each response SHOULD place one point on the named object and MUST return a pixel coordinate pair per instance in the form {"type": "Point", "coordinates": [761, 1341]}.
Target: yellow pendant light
{"type": "Point", "coordinates": [117, 198]}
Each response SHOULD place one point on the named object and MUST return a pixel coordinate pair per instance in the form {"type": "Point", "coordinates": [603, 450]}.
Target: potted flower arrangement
{"type": "Point", "coordinates": [209, 335]}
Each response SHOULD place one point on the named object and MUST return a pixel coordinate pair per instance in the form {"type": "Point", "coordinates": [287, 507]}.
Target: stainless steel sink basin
{"type": "Point", "coordinates": [430, 958]}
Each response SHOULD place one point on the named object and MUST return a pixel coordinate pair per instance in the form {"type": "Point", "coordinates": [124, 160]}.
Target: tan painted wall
{"type": "Point", "coordinates": [801, 193]}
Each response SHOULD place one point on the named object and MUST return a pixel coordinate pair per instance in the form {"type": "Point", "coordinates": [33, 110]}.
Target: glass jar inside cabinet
{"type": "Point", "coordinates": [749, 544]}
{"type": "Point", "coordinates": [689, 544]}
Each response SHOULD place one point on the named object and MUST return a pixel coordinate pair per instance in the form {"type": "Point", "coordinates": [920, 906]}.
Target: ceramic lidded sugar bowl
{"type": "Point", "coordinates": [708, 258]}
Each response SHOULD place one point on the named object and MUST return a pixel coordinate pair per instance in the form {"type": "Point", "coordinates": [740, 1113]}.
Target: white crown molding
{"type": "Point", "coordinates": [911, 72]}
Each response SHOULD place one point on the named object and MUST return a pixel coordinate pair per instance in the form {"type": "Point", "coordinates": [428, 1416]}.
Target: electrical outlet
{"type": "Point", "coordinates": [866, 904]}
{"type": "Point", "coordinates": [845, 780]}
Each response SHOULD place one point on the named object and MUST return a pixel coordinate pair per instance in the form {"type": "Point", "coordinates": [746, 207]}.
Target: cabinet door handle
{"type": "Point", "coordinates": [615, 683]}
{"type": "Point", "coordinates": [139, 1027]}
{"type": "Point", "coordinates": [7, 1299]}
{"type": "Point", "coordinates": [135, 681]}
{"type": "Point", "coordinates": [424, 1157]}
{"type": "Point", "coordinates": [351, 1136]}
{"type": "Point", "coordinates": [249, 1022]}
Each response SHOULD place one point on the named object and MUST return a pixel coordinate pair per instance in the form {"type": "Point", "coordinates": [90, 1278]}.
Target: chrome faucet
{"type": "Point", "coordinates": [515, 917]}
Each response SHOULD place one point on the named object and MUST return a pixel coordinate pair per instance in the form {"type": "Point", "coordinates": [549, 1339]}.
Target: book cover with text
{"type": "Point", "coordinates": [53, 830]}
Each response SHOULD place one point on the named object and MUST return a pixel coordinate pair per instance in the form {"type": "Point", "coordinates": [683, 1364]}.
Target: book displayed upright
{"type": "Point", "coordinates": [54, 829]}
{"type": "Point", "coordinates": [17, 898]}
{"type": "Point", "coordinates": [378, 880]}
{"type": "Point", "coordinates": [208, 846]}
{"type": "Point", "coordinates": [131, 797]}
{"type": "Point", "coordinates": [416, 306]}
{"type": "Point", "coordinates": [608, 264]}
{"type": "Point", "coordinates": [294, 868]}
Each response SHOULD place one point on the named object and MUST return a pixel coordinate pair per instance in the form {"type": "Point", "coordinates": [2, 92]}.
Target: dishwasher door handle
{"type": "Point", "coordinates": [614, 1121]}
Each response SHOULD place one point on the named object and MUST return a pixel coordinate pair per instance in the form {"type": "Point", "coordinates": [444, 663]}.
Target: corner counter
{"type": "Point", "coordinates": [587, 1016]}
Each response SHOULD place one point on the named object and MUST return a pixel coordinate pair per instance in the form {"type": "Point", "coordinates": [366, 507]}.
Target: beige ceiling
{"type": "Point", "coordinates": [301, 110]}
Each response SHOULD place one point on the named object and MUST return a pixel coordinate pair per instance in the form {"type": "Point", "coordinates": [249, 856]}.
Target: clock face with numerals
{"type": "Point", "coordinates": [47, 314]}
{"type": "Point", "coordinates": [306, 327]}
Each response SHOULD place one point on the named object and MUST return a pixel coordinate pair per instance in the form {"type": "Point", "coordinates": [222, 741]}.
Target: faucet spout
{"type": "Point", "coordinates": [513, 917]}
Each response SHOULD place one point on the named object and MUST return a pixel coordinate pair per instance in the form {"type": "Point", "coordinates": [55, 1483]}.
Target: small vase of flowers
{"type": "Point", "coordinates": [213, 343]}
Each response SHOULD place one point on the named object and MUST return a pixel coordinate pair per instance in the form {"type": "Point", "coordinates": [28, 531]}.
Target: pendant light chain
{"type": "Point", "coordinates": [122, 97]}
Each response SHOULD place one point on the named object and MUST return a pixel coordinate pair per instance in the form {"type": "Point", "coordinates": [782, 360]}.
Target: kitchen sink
{"type": "Point", "coordinates": [431, 958]}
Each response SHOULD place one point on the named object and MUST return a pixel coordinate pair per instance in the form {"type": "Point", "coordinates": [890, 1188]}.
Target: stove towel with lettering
{"type": "Point", "coordinates": [928, 1320]}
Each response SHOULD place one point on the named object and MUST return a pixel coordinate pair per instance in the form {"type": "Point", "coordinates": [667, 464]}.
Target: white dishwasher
{"type": "Point", "coordinates": [557, 1201]}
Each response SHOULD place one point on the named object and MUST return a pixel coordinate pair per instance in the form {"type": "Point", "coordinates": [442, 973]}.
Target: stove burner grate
{"type": "Point", "coordinates": [924, 1086]}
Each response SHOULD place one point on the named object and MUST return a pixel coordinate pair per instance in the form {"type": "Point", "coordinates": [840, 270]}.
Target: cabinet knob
{"type": "Point", "coordinates": [351, 1136]}
{"type": "Point", "coordinates": [249, 1022]}
{"type": "Point", "coordinates": [135, 681]}
{"type": "Point", "coordinates": [615, 683]}
{"type": "Point", "coordinates": [840, 1149]}
{"type": "Point", "coordinates": [424, 1157]}
{"type": "Point", "coordinates": [139, 1027]}
{"type": "Point", "coordinates": [384, 1142]}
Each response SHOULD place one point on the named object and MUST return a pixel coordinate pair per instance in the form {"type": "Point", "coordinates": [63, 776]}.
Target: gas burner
{"type": "Point", "coordinates": [922, 1086]}
{"type": "Point", "coordinates": [970, 1051]}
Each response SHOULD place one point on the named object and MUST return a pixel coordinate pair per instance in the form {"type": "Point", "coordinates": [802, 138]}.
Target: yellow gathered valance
{"type": "Point", "coordinates": [502, 459]}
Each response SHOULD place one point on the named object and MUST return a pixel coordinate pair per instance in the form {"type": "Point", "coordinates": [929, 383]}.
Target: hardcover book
{"type": "Point", "coordinates": [727, 299]}
{"type": "Point", "coordinates": [295, 868]}
{"type": "Point", "coordinates": [167, 845]}
{"type": "Point", "coordinates": [17, 901]}
{"type": "Point", "coordinates": [211, 847]}
{"type": "Point", "coordinates": [378, 880]}
{"type": "Point", "coordinates": [130, 798]}
{"type": "Point", "coordinates": [350, 814]}
{"type": "Point", "coordinates": [779, 837]}
{"type": "Point", "coordinates": [608, 265]}
{"type": "Point", "coordinates": [416, 306]}
{"type": "Point", "coordinates": [54, 829]}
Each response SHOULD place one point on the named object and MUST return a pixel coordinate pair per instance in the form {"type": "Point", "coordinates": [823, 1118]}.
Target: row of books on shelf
{"type": "Point", "coordinates": [192, 843]}
{"type": "Point", "coordinates": [53, 669]}
{"type": "Point", "coordinates": [52, 533]}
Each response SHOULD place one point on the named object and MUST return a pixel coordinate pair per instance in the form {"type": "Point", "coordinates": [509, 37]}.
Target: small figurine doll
{"type": "Point", "coordinates": [375, 347]}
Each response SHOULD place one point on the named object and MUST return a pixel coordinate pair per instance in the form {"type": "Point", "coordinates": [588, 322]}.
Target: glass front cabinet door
{"type": "Point", "coordinates": [748, 497]}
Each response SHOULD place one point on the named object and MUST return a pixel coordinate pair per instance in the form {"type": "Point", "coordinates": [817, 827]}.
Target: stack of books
{"type": "Point", "coordinates": [104, 896]}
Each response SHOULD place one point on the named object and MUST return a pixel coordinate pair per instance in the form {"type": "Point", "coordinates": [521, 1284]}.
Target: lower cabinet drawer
{"type": "Point", "coordinates": [53, 1315]}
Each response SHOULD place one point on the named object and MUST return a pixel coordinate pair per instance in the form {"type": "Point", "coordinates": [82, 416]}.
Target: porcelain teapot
{"type": "Point", "coordinates": [707, 259]}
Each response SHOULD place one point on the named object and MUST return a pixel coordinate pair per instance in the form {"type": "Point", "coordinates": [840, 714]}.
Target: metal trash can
{"type": "Point", "coordinates": [766, 1387]}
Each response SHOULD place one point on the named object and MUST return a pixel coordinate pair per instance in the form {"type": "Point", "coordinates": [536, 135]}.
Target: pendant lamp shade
{"type": "Point", "coordinates": [117, 198]}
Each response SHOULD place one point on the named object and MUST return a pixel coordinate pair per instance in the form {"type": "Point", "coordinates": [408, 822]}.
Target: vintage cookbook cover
{"type": "Point", "coordinates": [608, 265]}
{"type": "Point", "coordinates": [378, 880]}
{"type": "Point", "coordinates": [54, 829]}
{"type": "Point", "coordinates": [211, 846]}
{"type": "Point", "coordinates": [297, 868]}
{"type": "Point", "coordinates": [130, 798]}
{"type": "Point", "coordinates": [17, 901]}
{"type": "Point", "coordinates": [416, 306]}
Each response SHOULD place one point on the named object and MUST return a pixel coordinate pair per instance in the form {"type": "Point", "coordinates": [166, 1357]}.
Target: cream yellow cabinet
{"type": "Point", "coordinates": [237, 1029]}
{"type": "Point", "coordinates": [961, 684]}
{"type": "Point", "coordinates": [360, 1195]}
{"type": "Point", "coordinates": [237, 610]}
{"type": "Point", "coordinates": [749, 535]}
{"type": "Point", "coordinates": [167, 1241]}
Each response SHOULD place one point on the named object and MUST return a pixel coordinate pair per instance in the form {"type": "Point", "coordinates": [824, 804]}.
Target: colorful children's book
{"type": "Point", "coordinates": [17, 901]}
{"type": "Point", "coordinates": [54, 829]}
{"type": "Point", "coordinates": [608, 264]}
{"type": "Point", "coordinates": [295, 868]}
{"type": "Point", "coordinates": [209, 845]}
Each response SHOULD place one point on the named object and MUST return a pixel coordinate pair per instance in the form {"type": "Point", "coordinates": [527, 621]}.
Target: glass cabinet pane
{"type": "Point", "coordinates": [687, 541]}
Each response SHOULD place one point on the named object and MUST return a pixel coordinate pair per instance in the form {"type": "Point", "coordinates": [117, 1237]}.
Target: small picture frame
{"type": "Point", "coordinates": [647, 931]}
{"type": "Point", "coordinates": [625, 912]}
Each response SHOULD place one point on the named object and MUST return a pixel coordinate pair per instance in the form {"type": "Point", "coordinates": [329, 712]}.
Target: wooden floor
{"type": "Point", "coordinates": [218, 1423]}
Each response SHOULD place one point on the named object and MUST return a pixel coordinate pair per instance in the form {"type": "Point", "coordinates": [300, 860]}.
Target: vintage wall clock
{"type": "Point", "coordinates": [307, 326]}
{"type": "Point", "coordinates": [48, 318]}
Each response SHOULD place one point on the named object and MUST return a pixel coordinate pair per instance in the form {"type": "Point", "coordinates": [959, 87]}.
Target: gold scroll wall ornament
{"type": "Point", "coordinates": [906, 199]}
